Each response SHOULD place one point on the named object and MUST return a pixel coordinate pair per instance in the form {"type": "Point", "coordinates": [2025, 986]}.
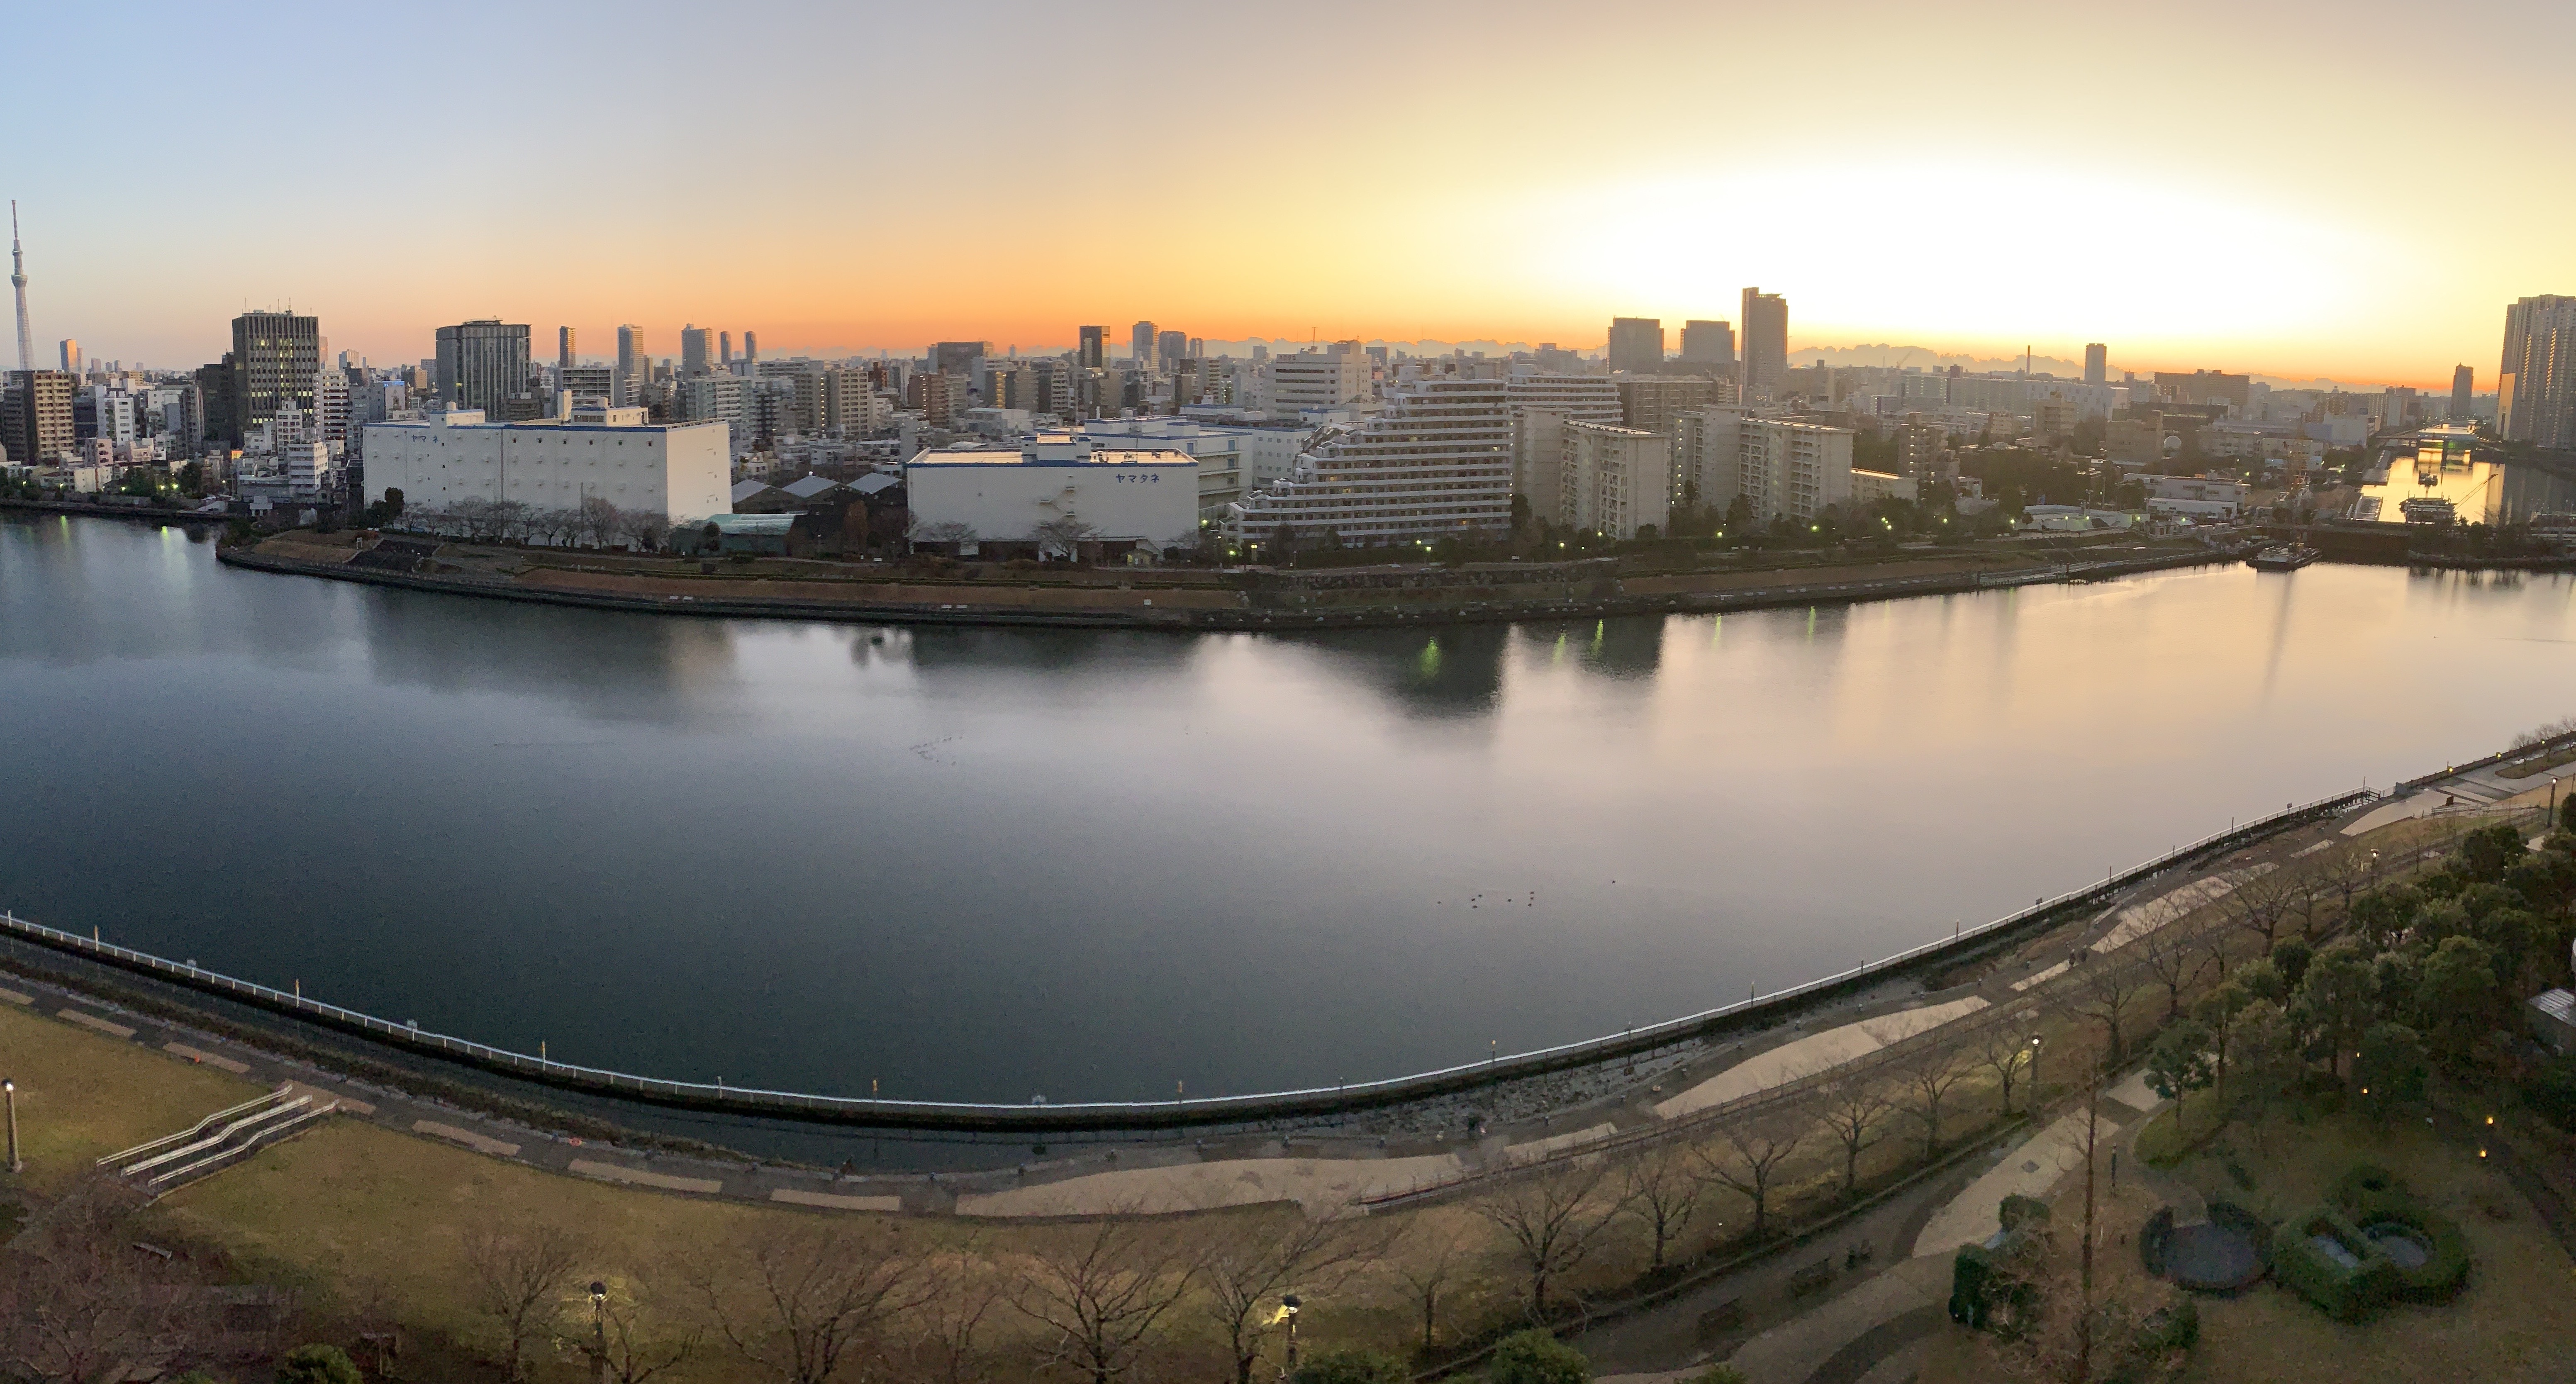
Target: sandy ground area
{"type": "Point", "coordinates": [1323, 1186]}
{"type": "Point", "coordinates": [2137, 920]}
{"type": "Point", "coordinates": [1815, 1051]}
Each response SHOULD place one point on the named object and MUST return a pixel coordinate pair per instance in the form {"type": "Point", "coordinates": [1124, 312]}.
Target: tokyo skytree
{"type": "Point", "coordinates": [18, 281]}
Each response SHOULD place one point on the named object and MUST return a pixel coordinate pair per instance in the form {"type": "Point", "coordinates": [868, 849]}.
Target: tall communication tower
{"type": "Point", "coordinates": [18, 281]}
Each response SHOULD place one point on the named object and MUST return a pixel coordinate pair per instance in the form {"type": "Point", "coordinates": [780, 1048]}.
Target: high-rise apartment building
{"type": "Point", "coordinates": [71, 356]}
{"type": "Point", "coordinates": [36, 416]}
{"type": "Point", "coordinates": [724, 349]}
{"type": "Point", "coordinates": [1140, 345]}
{"type": "Point", "coordinates": [1614, 480]}
{"type": "Point", "coordinates": [483, 364]}
{"type": "Point", "coordinates": [1764, 319]}
{"type": "Point", "coordinates": [634, 367]}
{"type": "Point", "coordinates": [1540, 407]}
{"type": "Point", "coordinates": [1436, 463]}
{"type": "Point", "coordinates": [751, 347]}
{"type": "Point", "coordinates": [2536, 386]}
{"type": "Point", "coordinates": [1780, 469]}
{"type": "Point", "coordinates": [2464, 385]}
{"type": "Point", "coordinates": [1636, 344]}
{"type": "Point", "coordinates": [2097, 363]}
{"type": "Point", "coordinates": [696, 357]}
{"type": "Point", "coordinates": [1093, 354]}
{"type": "Point", "coordinates": [1709, 343]}
{"type": "Point", "coordinates": [276, 357]}
{"type": "Point", "coordinates": [563, 348]}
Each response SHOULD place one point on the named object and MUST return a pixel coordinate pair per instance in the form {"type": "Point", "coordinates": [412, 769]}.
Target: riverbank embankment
{"type": "Point", "coordinates": [1179, 598]}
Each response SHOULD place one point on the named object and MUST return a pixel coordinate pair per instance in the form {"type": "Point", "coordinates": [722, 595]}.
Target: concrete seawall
{"type": "Point", "coordinates": [1247, 617]}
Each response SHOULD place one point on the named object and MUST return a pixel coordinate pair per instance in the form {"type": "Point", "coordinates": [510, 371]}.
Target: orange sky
{"type": "Point", "coordinates": [2295, 189]}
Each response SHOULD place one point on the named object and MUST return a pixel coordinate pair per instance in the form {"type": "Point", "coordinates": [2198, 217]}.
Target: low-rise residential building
{"type": "Point", "coordinates": [1780, 468]}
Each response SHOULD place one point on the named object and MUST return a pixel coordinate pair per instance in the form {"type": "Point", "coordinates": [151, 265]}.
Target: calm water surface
{"type": "Point", "coordinates": [988, 865]}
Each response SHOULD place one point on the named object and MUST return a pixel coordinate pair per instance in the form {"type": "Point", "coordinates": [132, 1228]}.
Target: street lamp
{"type": "Point", "coordinates": [1288, 1305]}
{"type": "Point", "coordinates": [2034, 1073]}
{"type": "Point", "coordinates": [598, 1331]}
{"type": "Point", "coordinates": [10, 1089]}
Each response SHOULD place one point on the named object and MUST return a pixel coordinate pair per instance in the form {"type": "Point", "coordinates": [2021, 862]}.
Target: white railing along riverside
{"type": "Point", "coordinates": [1109, 1114]}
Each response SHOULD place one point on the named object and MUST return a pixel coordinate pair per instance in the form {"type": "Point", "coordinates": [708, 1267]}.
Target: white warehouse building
{"type": "Point", "coordinates": [1054, 489]}
{"type": "Point", "coordinates": [676, 470]}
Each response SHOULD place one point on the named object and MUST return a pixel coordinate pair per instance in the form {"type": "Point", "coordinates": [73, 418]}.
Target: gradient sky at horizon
{"type": "Point", "coordinates": [2351, 190]}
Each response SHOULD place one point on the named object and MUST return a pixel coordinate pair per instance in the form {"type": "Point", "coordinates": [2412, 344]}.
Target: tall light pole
{"type": "Point", "coordinates": [1289, 1304]}
{"type": "Point", "coordinates": [10, 1089]}
{"type": "Point", "coordinates": [598, 1331]}
{"type": "Point", "coordinates": [2034, 1073]}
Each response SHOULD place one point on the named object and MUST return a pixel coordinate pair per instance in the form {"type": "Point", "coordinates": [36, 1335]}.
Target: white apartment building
{"type": "Point", "coordinates": [1782, 469]}
{"type": "Point", "coordinates": [1580, 398]}
{"type": "Point", "coordinates": [1614, 480]}
{"type": "Point", "coordinates": [674, 470]}
{"type": "Point", "coordinates": [1436, 463]}
{"type": "Point", "coordinates": [1148, 496]}
{"type": "Point", "coordinates": [1326, 379]}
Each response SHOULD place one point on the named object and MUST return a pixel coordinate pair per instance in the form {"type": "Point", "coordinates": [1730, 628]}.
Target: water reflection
{"type": "Point", "coordinates": [990, 863]}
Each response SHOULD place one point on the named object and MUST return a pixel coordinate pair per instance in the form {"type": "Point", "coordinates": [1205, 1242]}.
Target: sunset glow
{"type": "Point", "coordinates": [2295, 189]}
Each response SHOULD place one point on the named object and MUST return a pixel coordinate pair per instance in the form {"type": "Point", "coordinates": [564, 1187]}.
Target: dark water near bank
{"type": "Point", "coordinates": [986, 865]}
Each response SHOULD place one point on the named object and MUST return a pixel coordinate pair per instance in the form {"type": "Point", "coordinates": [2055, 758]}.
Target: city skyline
{"type": "Point", "coordinates": [2133, 182]}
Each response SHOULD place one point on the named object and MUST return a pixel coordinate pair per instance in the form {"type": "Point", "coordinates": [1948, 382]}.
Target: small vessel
{"type": "Point", "coordinates": [2282, 557]}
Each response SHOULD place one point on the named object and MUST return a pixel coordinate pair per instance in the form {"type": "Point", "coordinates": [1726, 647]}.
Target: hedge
{"type": "Point", "coordinates": [2349, 1294]}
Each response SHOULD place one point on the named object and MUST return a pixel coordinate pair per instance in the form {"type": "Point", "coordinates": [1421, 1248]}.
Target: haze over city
{"type": "Point", "coordinates": [2298, 190]}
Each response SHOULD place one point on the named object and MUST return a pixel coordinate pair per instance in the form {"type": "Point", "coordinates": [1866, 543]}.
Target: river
{"type": "Point", "coordinates": [989, 865]}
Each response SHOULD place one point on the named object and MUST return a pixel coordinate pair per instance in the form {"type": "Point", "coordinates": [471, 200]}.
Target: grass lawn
{"type": "Point", "coordinates": [2510, 1323]}
{"type": "Point", "coordinates": [82, 1095]}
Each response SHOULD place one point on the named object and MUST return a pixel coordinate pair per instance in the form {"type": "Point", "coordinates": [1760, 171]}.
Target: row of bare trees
{"type": "Point", "coordinates": [592, 523]}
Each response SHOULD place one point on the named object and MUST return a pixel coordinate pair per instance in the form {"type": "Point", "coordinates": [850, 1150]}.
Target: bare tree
{"type": "Point", "coordinates": [949, 531]}
{"type": "Point", "coordinates": [1751, 1151]}
{"type": "Point", "coordinates": [966, 1292]}
{"type": "Point", "coordinates": [1553, 1218]}
{"type": "Point", "coordinates": [1243, 1272]}
{"type": "Point", "coordinates": [1102, 1291]}
{"type": "Point", "coordinates": [519, 1278]}
{"type": "Point", "coordinates": [2257, 907]}
{"type": "Point", "coordinates": [1662, 1186]}
{"type": "Point", "coordinates": [1853, 1107]}
{"type": "Point", "coordinates": [1925, 1078]}
{"type": "Point", "coordinates": [2003, 1047]}
{"type": "Point", "coordinates": [2173, 954]}
{"type": "Point", "coordinates": [1432, 1254]}
{"type": "Point", "coordinates": [2101, 991]}
{"type": "Point", "coordinates": [77, 1300]}
{"type": "Point", "coordinates": [799, 1301]}
{"type": "Point", "coordinates": [631, 1333]}
{"type": "Point", "coordinates": [1061, 536]}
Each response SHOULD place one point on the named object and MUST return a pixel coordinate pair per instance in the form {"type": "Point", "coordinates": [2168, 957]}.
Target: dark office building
{"type": "Point", "coordinates": [275, 357]}
{"type": "Point", "coordinates": [1765, 323]}
{"type": "Point", "coordinates": [1094, 354]}
{"type": "Point", "coordinates": [1709, 343]}
{"type": "Point", "coordinates": [484, 364]}
{"type": "Point", "coordinates": [1637, 344]}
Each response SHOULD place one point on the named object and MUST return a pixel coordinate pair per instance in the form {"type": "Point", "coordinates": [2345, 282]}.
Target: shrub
{"type": "Point", "coordinates": [2552, 1090]}
{"type": "Point", "coordinates": [2170, 1328]}
{"type": "Point", "coordinates": [317, 1364]}
{"type": "Point", "coordinates": [1535, 1357]}
{"type": "Point", "coordinates": [2153, 1238]}
{"type": "Point", "coordinates": [1351, 1367]}
{"type": "Point", "coordinates": [1721, 1374]}
{"type": "Point", "coordinates": [2348, 1294]}
{"type": "Point", "coordinates": [2018, 1210]}
{"type": "Point", "coordinates": [2370, 1196]}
